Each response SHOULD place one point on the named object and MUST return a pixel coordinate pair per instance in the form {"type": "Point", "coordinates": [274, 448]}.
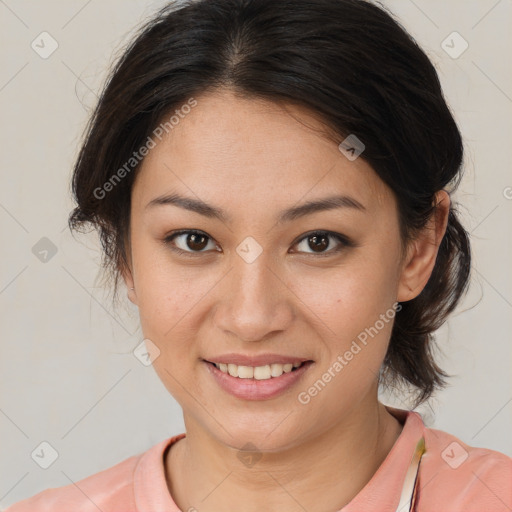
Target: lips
{"type": "Point", "coordinates": [257, 372]}
{"type": "Point", "coordinates": [261, 387]}
{"type": "Point", "coordinates": [254, 361]}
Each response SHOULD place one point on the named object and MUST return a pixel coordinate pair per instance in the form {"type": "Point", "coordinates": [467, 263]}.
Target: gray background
{"type": "Point", "coordinates": [67, 372]}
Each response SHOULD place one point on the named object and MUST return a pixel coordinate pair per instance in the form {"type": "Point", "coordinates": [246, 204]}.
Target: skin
{"type": "Point", "coordinates": [253, 159]}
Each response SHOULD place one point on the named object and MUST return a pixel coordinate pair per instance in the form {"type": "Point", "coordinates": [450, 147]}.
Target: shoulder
{"type": "Point", "coordinates": [96, 492]}
{"type": "Point", "coordinates": [455, 476]}
{"type": "Point", "coordinates": [110, 490]}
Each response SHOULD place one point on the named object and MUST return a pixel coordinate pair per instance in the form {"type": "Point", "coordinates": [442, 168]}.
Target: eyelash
{"type": "Point", "coordinates": [344, 242]}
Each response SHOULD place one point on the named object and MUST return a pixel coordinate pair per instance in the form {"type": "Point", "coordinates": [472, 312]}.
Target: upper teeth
{"type": "Point", "coordinates": [257, 372]}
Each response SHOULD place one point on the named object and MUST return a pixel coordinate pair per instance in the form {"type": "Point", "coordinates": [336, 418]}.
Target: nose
{"type": "Point", "coordinates": [254, 302]}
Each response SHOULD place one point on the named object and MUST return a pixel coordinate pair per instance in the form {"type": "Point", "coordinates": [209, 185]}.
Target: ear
{"type": "Point", "coordinates": [126, 274]}
{"type": "Point", "coordinates": [422, 251]}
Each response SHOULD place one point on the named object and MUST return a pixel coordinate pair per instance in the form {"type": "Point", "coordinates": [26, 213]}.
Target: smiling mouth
{"type": "Point", "coordinates": [265, 372]}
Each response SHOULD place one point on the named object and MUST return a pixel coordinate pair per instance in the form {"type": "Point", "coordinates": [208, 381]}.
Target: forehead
{"type": "Point", "coordinates": [233, 148]}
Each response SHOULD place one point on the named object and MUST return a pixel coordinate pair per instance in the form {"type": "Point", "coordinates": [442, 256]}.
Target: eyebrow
{"type": "Point", "coordinates": [202, 208]}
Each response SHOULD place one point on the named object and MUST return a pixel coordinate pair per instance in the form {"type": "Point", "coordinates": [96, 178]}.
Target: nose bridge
{"type": "Point", "coordinates": [254, 303]}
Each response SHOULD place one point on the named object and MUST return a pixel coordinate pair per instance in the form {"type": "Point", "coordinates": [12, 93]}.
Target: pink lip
{"type": "Point", "coordinates": [259, 360]}
{"type": "Point", "coordinates": [253, 389]}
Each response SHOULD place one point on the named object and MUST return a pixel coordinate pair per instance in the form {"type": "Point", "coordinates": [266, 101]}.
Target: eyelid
{"type": "Point", "coordinates": [168, 239]}
{"type": "Point", "coordinates": [343, 240]}
{"type": "Point", "coordinates": [343, 243]}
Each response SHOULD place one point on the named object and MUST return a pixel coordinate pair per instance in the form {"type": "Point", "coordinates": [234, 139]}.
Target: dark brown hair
{"type": "Point", "coordinates": [349, 62]}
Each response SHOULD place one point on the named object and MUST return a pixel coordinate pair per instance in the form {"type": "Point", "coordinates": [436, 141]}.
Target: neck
{"type": "Point", "coordinates": [324, 473]}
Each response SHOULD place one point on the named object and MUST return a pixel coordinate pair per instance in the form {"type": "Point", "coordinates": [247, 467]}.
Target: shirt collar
{"type": "Point", "coordinates": [381, 493]}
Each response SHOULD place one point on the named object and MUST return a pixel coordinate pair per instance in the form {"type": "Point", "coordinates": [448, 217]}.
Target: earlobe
{"type": "Point", "coordinates": [132, 296]}
{"type": "Point", "coordinates": [129, 282]}
{"type": "Point", "coordinates": [422, 252]}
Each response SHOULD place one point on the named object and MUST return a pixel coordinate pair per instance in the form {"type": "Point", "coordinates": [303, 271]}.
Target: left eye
{"type": "Point", "coordinates": [193, 241]}
{"type": "Point", "coordinates": [319, 241]}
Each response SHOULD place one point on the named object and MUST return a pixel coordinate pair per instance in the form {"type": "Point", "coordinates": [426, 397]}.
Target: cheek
{"type": "Point", "coordinates": [164, 291]}
{"type": "Point", "coordinates": [352, 307]}
{"type": "Point", "coordinates": [166, 305]}
{"type": "Point", "coordinates": [350, 297]}
{"type": "Point", "coordinates": [357, 315]}
{"type": "Point", "coordinates": [164, 297]}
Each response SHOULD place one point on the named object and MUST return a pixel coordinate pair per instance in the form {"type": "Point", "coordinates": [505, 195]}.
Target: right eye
{"type": "Point", "coordinates": [192, 241]}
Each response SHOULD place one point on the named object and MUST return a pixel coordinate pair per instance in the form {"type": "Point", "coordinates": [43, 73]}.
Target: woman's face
{"type": "Point", "coordinates": [255, 283]}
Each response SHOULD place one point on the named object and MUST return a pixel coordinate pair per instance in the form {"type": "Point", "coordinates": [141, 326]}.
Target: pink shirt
{"type": "Point", "coordinates": [452, 477]}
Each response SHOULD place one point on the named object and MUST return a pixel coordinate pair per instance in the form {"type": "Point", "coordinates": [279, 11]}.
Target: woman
{"type": "Point", "coordinates": [271, 180]}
